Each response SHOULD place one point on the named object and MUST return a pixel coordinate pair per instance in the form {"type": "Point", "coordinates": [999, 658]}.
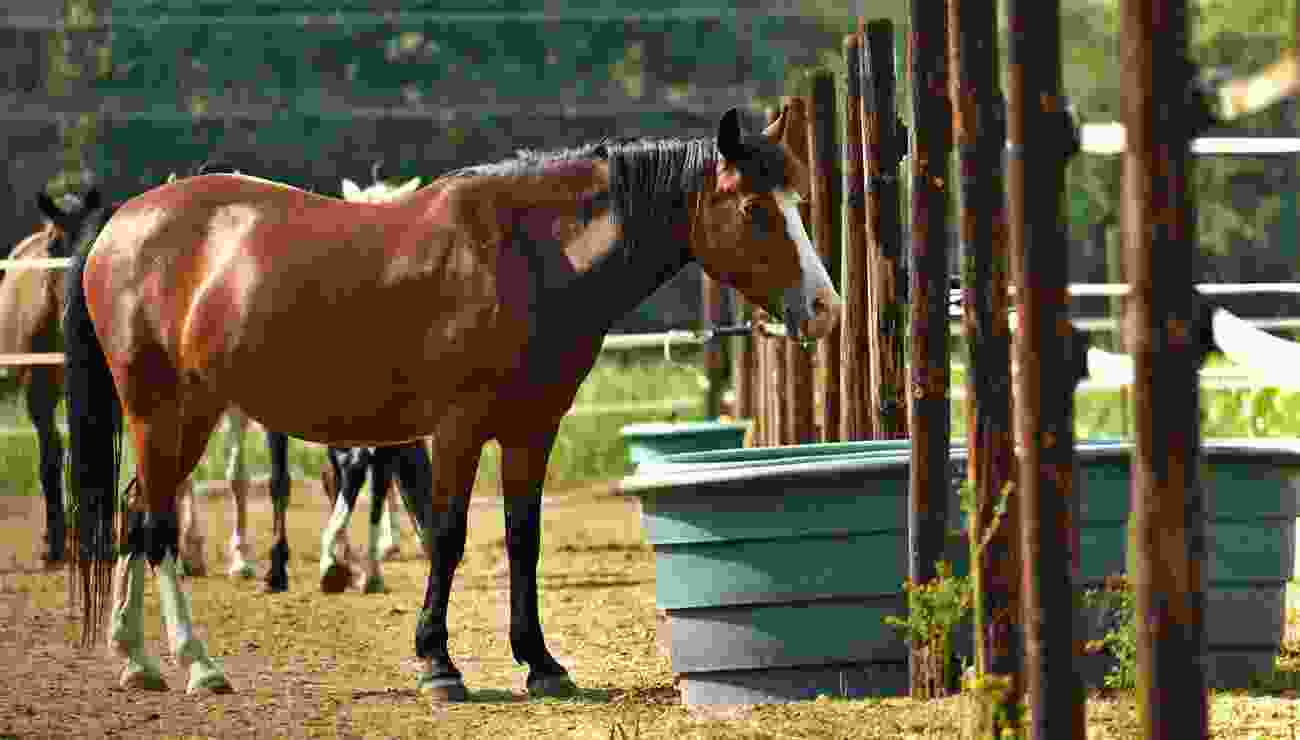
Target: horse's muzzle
{"type": "Point", "coordinates": [814, 319]}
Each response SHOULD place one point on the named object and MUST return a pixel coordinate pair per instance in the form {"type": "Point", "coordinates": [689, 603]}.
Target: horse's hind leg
{"type": "Point", "coordinates": [42, 398]}
{"type": "Point", "coordinates": [167, 450]}
{"type": "Point", "coordinates": [277, 576]}
{"type": "Point", "coordinates": [156, 465]}
{"type": "Point", "coordinates": [242, 562]}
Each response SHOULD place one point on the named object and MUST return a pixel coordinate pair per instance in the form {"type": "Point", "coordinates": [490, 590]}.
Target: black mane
{"type": "Point", "coordinates": [650, 178]}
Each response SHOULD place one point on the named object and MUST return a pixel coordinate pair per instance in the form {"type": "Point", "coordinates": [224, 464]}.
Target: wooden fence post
{"type": "Point", "coordinates": [1168, 535]}
{"type": "Point", "coordinates": [855, 341]}
{"type": "Point", "coordinates": [928, 391]}
{"type": "Point", "coordinates": [1038, 144]}
{"type": "Point", "coordinates": [798, 391]}
{"type": "Point", "coordinates": [715, 359]}
{"type": "Point", "coordinates": [883, 145]}
{"type": "Point", "coordinates": [826, 214]}
{"type": "Point", "coordinates": [979, 130]}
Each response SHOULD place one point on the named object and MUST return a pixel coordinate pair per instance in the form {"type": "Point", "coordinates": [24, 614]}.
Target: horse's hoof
{"type": "Point", "coordinates": [208, 681]}
{"type": "Point", "coordinates": [193, 569]}
{"type": "Point", "coordinates": [443, 688]}
{"type": "Point", "coordinates": [241, 570]}
{"type": "Point", "coordinates": [392, 552]}
{"type": "Point", "coordinates": [134, 677]}
{"type": "Point", "coordinates": [272, 587]}
{"type": "Point", "coordinates": [335, 579]}
{"type": "Point", "coordinates": [374, 585]}
{"type": "Point", "coordinates": [556, 686]}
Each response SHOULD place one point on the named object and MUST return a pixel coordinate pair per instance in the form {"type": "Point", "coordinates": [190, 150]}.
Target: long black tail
{"type": "Point", "coordinates": [95, 454]}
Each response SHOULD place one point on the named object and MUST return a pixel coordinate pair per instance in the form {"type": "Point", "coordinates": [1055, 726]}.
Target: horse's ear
{"type": "Point", "coordinates": [729, 144]}
{"type": "Point", "coordinates": [171, 178]}
{"type": "Point", "coordinates": [350, 190]}
{"type": "Point", "coordinates": [49, 208]}
{"type": "Point", "coordinates": [776, 129]}
{"type": "Point", "coordinates": [92, 200]}
{"type": "Point", "coordinates": [407, 187]}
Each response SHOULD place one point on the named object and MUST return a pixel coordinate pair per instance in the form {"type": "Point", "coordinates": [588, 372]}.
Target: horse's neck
{"type": "Point", "coordinates": [628, 272]}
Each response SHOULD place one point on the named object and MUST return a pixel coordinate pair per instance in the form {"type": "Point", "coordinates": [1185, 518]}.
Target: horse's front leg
{"type": "Point", "coordinates": [437, 493]}
{"type": "Point", "coordinates": [42, 398]}
{"type": "Point", "coordinates": [523, 472]}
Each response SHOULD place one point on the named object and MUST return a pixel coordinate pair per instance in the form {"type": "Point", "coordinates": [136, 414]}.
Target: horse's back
{"type": "Point", "coordinates": [29, 299]}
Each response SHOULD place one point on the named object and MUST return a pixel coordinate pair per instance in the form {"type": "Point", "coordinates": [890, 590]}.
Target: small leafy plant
{"type": "Point", "coordinates": [1119, 641]}
{"type": "Point", "coordinates": [934, 609]}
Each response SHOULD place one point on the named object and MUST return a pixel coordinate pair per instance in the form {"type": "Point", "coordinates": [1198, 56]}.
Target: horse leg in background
{"type": "Point", "coordinates": [42, 397]}
{"type": "Point", "coordinates": [383, 463]}
{"type": "Point", "coordinates": [390, 527]}
{"type": "Point", "coordinates": [242, 562]}
{"type": "Point", "coordinates": [523, 473]}
{"type": "Point", "coordinates": [192, 556]}
{"type": "Point", "coordinates": [277, 576]}
{"type": "Point", "coordinates": [335, 574]}
{"type": "Point", "coordinates": [442, 520]}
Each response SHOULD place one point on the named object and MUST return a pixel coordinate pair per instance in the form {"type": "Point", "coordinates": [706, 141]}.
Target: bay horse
{"type": "Point", "coordinates": [31, 302]}
{"type": "Point", "coordinates": [495, 284]}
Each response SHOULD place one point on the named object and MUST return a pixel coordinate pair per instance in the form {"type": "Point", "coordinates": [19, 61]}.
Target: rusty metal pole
{"type": "Point", "coordinates": [979, 130]}
{"type": "Point", "coordinates": [1168, 533]}
{"type": "Point", "coordinates": [1039, 141]}
{"type": "Point", "coordinates": [826, 214]}
{"type": "Point", "coordinates": [855, 342]}
{"type": "Point", "coordinates": [883, 145]}
{"type": "Point", "coordinates": [931, 150]}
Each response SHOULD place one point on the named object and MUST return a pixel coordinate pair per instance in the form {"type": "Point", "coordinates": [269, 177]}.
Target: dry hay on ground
{"type": "Point", "coordinates": [309, 665]}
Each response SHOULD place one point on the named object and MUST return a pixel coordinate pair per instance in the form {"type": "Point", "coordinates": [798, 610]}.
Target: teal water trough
{"type": "Point", "coordinates": [654, 441]}
{"type": "Point", "coordinates": [776, 566]}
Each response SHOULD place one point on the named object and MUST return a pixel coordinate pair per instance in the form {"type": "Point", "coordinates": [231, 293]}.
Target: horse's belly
{"type": "Point", "coordinates": [379, 387]}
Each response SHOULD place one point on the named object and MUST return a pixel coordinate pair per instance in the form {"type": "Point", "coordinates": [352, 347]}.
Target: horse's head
{"type": "Point", "coordinates": [749, 232]}
{"type": "Point", "coordinates": [69, 218]}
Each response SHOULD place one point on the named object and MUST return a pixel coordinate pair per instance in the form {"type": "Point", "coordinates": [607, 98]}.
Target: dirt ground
{"type": "Point", "coordinates": [305, 664]}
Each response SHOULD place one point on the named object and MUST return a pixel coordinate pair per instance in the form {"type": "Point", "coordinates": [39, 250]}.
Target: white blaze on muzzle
{"type": "Point", "coordinates": [800, 300]}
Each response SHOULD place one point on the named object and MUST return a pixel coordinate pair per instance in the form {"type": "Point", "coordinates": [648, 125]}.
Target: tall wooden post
{"type": "Point", "coordinates": [1038, 144]}
{"type": "Point", "coordinates": [798, 390]}
{"type": "Point", "coordinates": [931, 148]}
{"type": "Point", "coordinates": [742, 362]}
{"type": "Point", "coordinates": [715, 360]}
{"type": "Point", "coordinates": [883, 145]}
{"type": "Point", "coordinates": [826, 214]}
{"type": "Point", "coordinates": [1169, 506]}
{"type": "Point", "coordinates": [979, 129]}
{"type": "Point", "coordinates": [855, 334]}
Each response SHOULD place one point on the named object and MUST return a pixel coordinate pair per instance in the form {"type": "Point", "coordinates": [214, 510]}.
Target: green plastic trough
{"type": "Point", "coordinates": [656, 440]}
{"type": "Point", "coordinates": [774, 574]}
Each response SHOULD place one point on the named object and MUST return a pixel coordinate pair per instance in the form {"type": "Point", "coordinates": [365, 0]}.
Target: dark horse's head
{"type": "Point", "coordinates": [69, 218]}
{"type": "Point", "coordinates": [750, 232]}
